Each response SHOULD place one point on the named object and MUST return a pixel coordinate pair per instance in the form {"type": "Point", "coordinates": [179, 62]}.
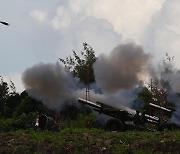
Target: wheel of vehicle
{"type": "Point", "coordinates": [114, 125]}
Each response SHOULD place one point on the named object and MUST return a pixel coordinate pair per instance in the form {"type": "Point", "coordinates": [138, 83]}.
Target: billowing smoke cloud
{"type": "Point", "coordinates": [172, 77]}
{"type": "Point", "coordinates": [50, 83]}
{"type": "Point", "coordinates": [122, 69]}
{"type": "Point", "coordinates": [54, 86]}
{"type": "Point", "coordinates": [162, 34]}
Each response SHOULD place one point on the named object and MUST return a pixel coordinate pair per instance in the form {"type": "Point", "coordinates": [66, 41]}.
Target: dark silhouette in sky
{"type": "Point", "coordinates": [4, 23]}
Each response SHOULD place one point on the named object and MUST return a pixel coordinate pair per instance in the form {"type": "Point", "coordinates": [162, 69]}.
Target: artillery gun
{"type": "Point", "coordinates": [123, 118]}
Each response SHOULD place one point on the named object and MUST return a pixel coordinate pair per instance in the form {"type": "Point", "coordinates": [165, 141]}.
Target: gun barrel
{"type": "Point", "coordinates": [160, 107]}
{"type": "Point", "coordinates": [99, 105]}
{"type": "Point", "coordinates": [95, 105]}
{"type": "Point", "coordinates": [108, 110]}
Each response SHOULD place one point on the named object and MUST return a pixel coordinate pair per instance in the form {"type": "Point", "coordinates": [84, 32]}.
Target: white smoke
{"type": "Point", "coordinates": [172, 77]}
{"type": "Point", "coordinates": [122, 99]}
{"type": "Point", "coordinates": [162, 35]}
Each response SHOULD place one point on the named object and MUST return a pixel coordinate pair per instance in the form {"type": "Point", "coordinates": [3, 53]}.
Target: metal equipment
{"type": "Point", "coordinates": [120, 116]}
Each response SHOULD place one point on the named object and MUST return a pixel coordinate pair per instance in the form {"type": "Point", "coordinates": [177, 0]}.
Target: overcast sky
{"type": "Point", "coordinates": [43, 31]}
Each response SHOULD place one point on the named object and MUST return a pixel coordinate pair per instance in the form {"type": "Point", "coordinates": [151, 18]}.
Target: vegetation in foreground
{"type": "Point", "coordinates": [83, 140]}
{"type": "Point", "coordinates": [82, 136]}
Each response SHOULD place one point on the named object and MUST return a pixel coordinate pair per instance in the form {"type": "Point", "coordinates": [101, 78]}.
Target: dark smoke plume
{"type": "Point", "coordinates": [122, 69]}
{"type": "Point", "coordinates": [54, 86]}
{"type": "Point", "coordinates": [50, 83]}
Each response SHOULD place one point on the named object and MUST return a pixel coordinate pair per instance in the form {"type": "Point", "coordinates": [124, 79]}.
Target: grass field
{"type": "Point", "coordinates": [83, 140]}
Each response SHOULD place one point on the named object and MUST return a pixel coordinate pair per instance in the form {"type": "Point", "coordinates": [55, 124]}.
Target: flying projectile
{"type": "Point", "coordinates": [4, 23]}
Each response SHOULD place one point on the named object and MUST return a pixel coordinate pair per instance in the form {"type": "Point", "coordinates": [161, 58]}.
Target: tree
{"type": "Point", "coordinates": [81, 67]}
{"type": "Point", "coordinates": [4, 91]}
{"type": "Point", "coordinates": [144, 96]}
{"type": "Point", "coordinates": [160, 88]}
{"type": "Point", "coordinates": [27, 106]}
{"type": "Point", "coordinates": [9, 99]}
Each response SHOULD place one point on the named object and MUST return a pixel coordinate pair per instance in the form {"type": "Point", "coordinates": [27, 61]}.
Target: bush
{"type": "Point", "coordinates": [22, 122]}
{"type": "Point", "coordinates": [27, 106]}
{"type": "Point", "coordinates": [83, 121]}
{"type": "Point", "coordinates": [5, 124]}
{"type": "Point", "coordinates": [25, 121]}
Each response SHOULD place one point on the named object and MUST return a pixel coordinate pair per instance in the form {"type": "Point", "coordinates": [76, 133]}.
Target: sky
{"type": "Point", "coordinates": [44, 31]}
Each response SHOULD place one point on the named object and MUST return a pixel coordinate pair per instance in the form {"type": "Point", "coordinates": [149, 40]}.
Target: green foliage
{"type": "Point", "coordinates": [13, 101]}
{"type": "Point", "coordinates": [82, 121]}
{"type": "Point", "coordinates": [155, 96]}
{"type": "Point", "coordinates": [10, 105]}
{"type": "Point", "coordinates": [142, 151]}
{"type": "Point", "coordinates": [82, 67]}
{"type": "Point", "coordinates": [5, 124]}
{"type": "Point", "coordinates": [7, 112]}
{"type": "Point", "coordinates": [4, 89]}
{"type": "Point", "coordinates": [85, 140]}
{"type": "Point", "coordinates": [9, 99]}
{"type": "Point", "coordinates": [23, 121]}
{"type": "Point", "coordinates": [120, 149]}
{"type": "Point", "coordinates": [145, 96]}
{"type": "Point", "coordinates": [27, 105]}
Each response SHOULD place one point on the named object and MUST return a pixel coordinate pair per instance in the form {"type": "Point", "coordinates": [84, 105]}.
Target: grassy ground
{"type": "Point", "coordinates": [89, 141]}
